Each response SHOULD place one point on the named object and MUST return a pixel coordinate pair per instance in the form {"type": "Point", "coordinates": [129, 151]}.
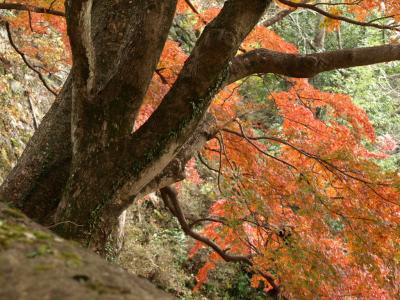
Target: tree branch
{"type": "Point", "coordinates": [175, 170]}
{"type": "Point", "coordinates": [306, 66]}
{"type": "Point", "coordinates": [169, 196]}
{"type": "Point", "coordinates": [190, 4]}
{"type": "Point", "coordinates": [315, 8]}
{"type": "Point", "coordinates": [278, 17]}
{"type": "Point", "coordinates": [31, 8]}
{"type": "Point", "coordinates": [27, 63]}
{"type": "Point", "coordinates": [160, 139]}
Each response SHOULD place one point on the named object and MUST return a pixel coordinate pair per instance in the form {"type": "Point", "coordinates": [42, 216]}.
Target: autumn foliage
{"type": "Point", "coordinates": [301, 196]}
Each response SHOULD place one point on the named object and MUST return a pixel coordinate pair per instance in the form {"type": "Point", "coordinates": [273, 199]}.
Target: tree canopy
{"type": "Point", "coordinates": [303, 198]}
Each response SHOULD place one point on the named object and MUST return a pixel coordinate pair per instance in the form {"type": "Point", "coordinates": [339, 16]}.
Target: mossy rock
{"type": "Point", "coordinates": [36, 264]}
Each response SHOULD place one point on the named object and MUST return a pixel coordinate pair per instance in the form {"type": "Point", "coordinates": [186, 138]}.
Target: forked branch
{"type": "Point", "coordinates": [170, 198]}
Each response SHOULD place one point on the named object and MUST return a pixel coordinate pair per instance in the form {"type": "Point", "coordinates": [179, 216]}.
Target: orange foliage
{"type": "Point", "coordinates": [303, 198]}
{"type": "Point", "coordinates": [43, 27]}
{"type": "Point", "coordinates": [182, 7]}
{"type": "Point", "coordinates": [262, 37]}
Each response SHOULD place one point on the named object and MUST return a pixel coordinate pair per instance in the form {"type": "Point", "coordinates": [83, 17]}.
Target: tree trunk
{"type": "Point", "coordinates": [35, 184]}
{"type": "Point", "coordinates": [84, 166]}
{"type": "Point", "coordinates": [83, 161]}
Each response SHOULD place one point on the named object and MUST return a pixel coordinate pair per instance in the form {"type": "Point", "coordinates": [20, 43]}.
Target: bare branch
{"type": "Point", "coordinates": [27, 63]}
{"type": "Point", "coordinates": [163, 79]}
{"type": "Point", "coordinates": [205, 164]}
{"type": "Point", "coordinates": [278, 17]}
{"type": "Point", "coordinates": [220, 164]}
{"type": "Point", "coordinates": [315, 8]}
{"type": "Point", "coordinates": [169, 196]}
{"type": "Point", "coordinates": [31, 8]}
{"type": "Point", "coordinates": [190, 4]}
{"type": "Point", "coordinates": [260, 150]}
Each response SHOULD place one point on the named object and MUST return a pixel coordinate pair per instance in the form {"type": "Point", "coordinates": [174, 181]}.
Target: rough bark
{"type": "Point", "coordinates": [117, 49]}
{"type": "Point", "coordinates": [84, 151]}
{"type": "Point", "coordinates": [109, 167]}
{"type": "Point", "coordinates": [36, 182]}
{"type": "Point", "coordinates": [186, 103]}
{"type": "Point", "coordinates": [36, 264]}
{"type": "Point", "coordinates": [262, 61]}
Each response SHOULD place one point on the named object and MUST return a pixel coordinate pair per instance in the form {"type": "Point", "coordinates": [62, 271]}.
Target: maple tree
{"type": "Point", "coordinates": [301, 201]}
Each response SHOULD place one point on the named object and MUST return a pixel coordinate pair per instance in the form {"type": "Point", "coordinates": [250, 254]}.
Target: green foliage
{"type": "Point", "coordinates": [254, 89]}
{"type": "Point", "coordinates": [239, 288]}
{"type": "Point", "coordinates": [371, 88]}
{"type": "Point", "coordinates": [182, 31]}
{"type": "Point", "coordinates": [155, 247]}
{"type": "Point", "coordinates": [374, 88]}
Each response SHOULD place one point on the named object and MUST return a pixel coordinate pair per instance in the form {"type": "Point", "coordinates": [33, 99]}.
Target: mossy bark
{"type": "Point", "coordinates": [93, 166]}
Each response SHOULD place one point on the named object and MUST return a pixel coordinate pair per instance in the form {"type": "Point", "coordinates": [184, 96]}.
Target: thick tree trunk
{"type": "Point", "coordinates": [84, 153]}
{"type": "Point", "coordinates": [84, 166]}
{"type": "Point", "coordinates": [118, 49]}
{"type": "Point", "coordinates": [110, 167]}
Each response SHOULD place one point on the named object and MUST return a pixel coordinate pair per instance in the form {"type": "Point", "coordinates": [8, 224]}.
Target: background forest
{"type": "Point", "coordinates": [155, 246]}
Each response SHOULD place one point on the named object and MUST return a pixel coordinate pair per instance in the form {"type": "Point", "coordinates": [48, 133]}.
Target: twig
{"type": "Point", "coordinates": [278, 17]}
{"type": "Point", "coordinates": [326, 164]}
{"type": "Point", "coordinates": [195, 222]}
{"type": "Point", "coordinates": [30, 21]}
{"type": "Point", "coordinates": [64, 222]}
{"type": "Point", "coordinates": [162, 77]}
{"type": "Point", "coordinates": [205, 163]}
{"type": "Point", "coordinates": [52, 3]}
{"type": "Point", "coordinates": [169, 196]}
{"type": "Point", "coordinates": [192, 7]}
{"type": "Point", "coordinates": [220, 164]}
{"type": "Point", "coordinates": [260, 150]}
